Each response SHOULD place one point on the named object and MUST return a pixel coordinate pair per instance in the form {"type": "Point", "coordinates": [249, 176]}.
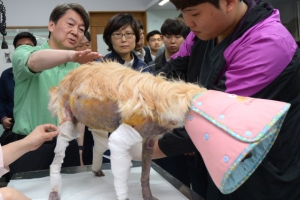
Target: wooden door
{"type": "Point", "coordinates": [100, 19]}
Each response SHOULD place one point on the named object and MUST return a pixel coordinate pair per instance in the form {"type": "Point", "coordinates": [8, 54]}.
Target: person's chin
{"type": "Point", "coordinates": [70, 46]}
{"type": "Point", "coordinates": [204, 37]}
{"type": "Point", "coordinates": [123, 51]}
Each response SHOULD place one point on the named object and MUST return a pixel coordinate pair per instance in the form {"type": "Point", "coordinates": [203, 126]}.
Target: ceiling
{"type": "Point", "coordinates": [167, 6]}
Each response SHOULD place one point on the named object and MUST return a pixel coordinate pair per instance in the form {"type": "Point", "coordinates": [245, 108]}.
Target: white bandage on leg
{"type": "Point", "coordinates": [100, 146]}
{"type": "Point", "coordinates": [67, 132]}
{"type": "Point", "coordinates": [119, 142]}
{"type": "Point", "coordinates": [55, 178]}
{"type": "Point", "coordinates": [136, 151]}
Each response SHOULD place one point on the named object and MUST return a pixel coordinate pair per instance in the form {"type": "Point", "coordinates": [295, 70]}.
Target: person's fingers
{"type": "Point", "coordinates": [96, 56]}
{"type": "Point", "coordinates": [49, 127]}
{"type": "Point", "coordinates": [53, 134]}
{"type": "Point", "coordinates": [84, 53]}
{"type": "Point", "coordinates": [51, 131]}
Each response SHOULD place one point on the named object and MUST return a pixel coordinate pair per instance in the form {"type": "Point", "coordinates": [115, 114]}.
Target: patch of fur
{"type": "Point", "coordinates": [134, 92]}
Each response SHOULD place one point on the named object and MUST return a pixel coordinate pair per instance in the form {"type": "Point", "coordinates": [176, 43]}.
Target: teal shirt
{"type": "Point", "coordinates": [31, 94]}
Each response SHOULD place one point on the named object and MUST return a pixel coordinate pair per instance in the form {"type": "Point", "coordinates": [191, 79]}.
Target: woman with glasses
{"type": "Point", "coordinates": [121, 35]}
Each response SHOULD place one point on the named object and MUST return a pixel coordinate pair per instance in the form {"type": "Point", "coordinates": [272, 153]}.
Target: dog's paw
{"type": "Point", "coordinates": [99, 173]}
{"type": "Point", "coordinates": [54, 196]}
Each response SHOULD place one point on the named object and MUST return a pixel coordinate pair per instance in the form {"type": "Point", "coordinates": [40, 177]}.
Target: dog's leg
{"type": "Point", "coordinates": [119, 142]}
{"type": "Point", "coordinates": [67, 132]}
{"type": "Point", "coordinates": [100, 146]}
{"type": "Point", "coordinates": [146, 165]}
{"type": "Point", "coordinates": [148, 130]}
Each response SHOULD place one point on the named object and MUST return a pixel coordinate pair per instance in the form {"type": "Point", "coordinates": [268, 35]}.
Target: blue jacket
{"type": "Point", "coordinates": [7, 85]}
{"type": "Point", "coordinates": [137, 63]}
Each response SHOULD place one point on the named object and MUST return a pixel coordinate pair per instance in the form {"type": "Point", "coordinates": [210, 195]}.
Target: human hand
{"type": "Point", "coordinates": [39, 135]}
{"type": "Point", "coordinates": [86, 56]}
{"type": "Point", "coordinates": [12, 194]}
{"type": "Point", "coordinates": [7, 123]}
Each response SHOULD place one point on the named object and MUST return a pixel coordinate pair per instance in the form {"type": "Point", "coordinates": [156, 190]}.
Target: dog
{"type": "Point", "coordinates": [105, 95]}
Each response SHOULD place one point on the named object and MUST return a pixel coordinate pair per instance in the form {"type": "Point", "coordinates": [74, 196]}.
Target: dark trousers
{"type": "Point", "coordinates": [88, 143]}
{"type": "Point", "coordinates": [41, 158]}
{"type": "Point", "coordinates": [7, 137]}
{"type": "Point", "coordinates": [177, 166]}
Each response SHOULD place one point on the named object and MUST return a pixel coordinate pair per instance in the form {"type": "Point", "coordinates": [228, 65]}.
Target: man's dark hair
{"type": "Point", "coordinates": [151, 33]}
{"type": "Point", "coordinates": [140, 25]}
{"type": "Point", "coordinates": [185, 31]}
{"type": "Point", "coordinates": [87, 35]}
{"type": "Point", "coordinates": [183, 4]}
{"type": "Point", "coordinates": [116, 23]}
{"type": "Point", "coordinates": [24, 35]}
{"type": "Point", "coordinates": [61, 10]}
{"type": "Point", "coordinates": [172, 27]}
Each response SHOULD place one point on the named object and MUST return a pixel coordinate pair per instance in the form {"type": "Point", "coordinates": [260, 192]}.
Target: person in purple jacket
{"type": "Point", "coordinates": [241, 47]}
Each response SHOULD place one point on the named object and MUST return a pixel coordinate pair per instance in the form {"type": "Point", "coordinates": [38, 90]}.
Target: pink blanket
{"type": "Point", "coordinates": [226, 128]}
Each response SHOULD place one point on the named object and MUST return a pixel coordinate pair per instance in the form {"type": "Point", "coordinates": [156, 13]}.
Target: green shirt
{"type": "Point", "coordinates": [31, 95]}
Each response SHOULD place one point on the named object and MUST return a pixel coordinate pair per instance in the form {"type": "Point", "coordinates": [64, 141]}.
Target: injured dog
{"type": "Point", "coordinates": [109, 97]}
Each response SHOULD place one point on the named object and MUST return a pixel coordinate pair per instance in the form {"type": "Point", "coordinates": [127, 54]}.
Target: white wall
{"type": "Point", "coordinates": [37, 12]}
{"type": "Point", "coordinates": [155, 18]}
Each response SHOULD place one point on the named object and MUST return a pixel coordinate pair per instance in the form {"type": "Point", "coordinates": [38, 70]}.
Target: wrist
{"type": "Point", "coordinates": [72, 56]}
{"type": "Point", "coordinates": [25, 145]}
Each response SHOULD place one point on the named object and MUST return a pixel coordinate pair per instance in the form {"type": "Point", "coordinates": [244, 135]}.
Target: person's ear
{"type": "Point", "coordinates": [229, 4]}
{"type": "Point", "coordinates": [51, 26]}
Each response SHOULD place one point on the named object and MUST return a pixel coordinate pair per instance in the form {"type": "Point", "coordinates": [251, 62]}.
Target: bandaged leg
{"type": "Point", "coordinates": [136, 151]}
{"type": "Point", "coordinates": [67, 132]}
{"type": "Point", "coordinates": [119, 142]}
{"type": "Point", "coordinates": [100, 146]}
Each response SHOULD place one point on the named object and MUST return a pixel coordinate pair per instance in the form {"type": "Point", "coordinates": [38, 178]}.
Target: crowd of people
{"type": "Point", "coordinates": [234, 46]}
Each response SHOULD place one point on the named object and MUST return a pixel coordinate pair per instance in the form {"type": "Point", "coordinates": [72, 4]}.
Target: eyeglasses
{"type": "Point", "coordinates": [120, 35]}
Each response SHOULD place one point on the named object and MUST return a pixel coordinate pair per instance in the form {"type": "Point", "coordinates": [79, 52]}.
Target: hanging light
{"type": "Point", "coordinates": [163, 2]}
{"type": "Point", "coordinates": [4, 44]}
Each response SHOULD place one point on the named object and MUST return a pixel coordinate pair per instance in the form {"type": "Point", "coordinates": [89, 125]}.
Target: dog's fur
{"type": "Point", "coordinates": [104, 95]}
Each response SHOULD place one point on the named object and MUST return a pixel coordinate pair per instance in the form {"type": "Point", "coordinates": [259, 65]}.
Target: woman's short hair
{"type": "Point", "coordinates": [117, 22]}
